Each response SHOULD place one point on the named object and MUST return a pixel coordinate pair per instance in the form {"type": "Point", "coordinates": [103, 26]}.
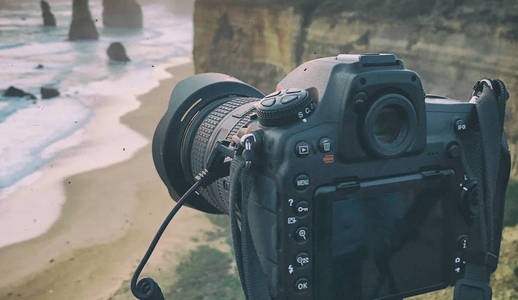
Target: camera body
{"type": "Point", "coordinates": [360, 186]}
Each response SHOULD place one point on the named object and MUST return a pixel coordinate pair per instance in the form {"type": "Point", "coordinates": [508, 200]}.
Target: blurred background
{"type": "Point", "coordinates": [84, 83]}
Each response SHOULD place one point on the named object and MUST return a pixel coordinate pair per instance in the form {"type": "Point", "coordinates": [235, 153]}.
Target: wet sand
{"type": "Point", "coordinates": [109, 218]}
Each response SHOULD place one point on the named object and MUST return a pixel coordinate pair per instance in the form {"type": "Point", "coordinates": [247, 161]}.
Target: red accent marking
{"type": "Point", "coordinates": [329, 159]}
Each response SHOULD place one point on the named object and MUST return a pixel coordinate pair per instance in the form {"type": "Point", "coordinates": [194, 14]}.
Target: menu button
{"type": "Point", "coordinates": [301, 181]}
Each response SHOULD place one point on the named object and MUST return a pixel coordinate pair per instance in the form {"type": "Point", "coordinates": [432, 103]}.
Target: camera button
{"type": "Point", "coordinates": [268, 102]}
{"type": "Point", "coordinates": [292, 90]}
{"type": "Point", "coordinates": [460, 125]}
{"type": "Point", "coordinates": [302, 208]}
{"type": "Point", "coordinates": [302, 284]}
{"type": "Point", "coordinates": [302, 149]}
{"type": "Point", "coordinates": [302, 259]}
{"type": "Point", "coordinates": [289, 98]}
{"type": "Point", "coordinates": [302, 234]}
{"type": "Point", "coordinates": [459, 261]}
{"type": "Point", "coordinates": [301, 181]}
{"type": "Point", "coordinates": [273, 94]}
{"type": "Point", "coordinates": [463, 242]}
{"type": "Point", "coordinates": [325, 144]}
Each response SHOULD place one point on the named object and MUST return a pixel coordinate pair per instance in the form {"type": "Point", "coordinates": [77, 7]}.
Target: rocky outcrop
{"type": "Point", "coordinates": [48, 16]}
{"type": "Point", "coordinates": [18, 93]}
{"type": "Point", "coordinates": [117, 52]}
{"type": "Point", "coordinates": [122, 13]}
{"type": "Point", "coordinates": [250, 41]}
{"type": "Point", "coordinates": [450, 44]}
{"type": "Point", "coordinates": [47, 93]}
{"type": "Point", "coordinates": [82, 26]}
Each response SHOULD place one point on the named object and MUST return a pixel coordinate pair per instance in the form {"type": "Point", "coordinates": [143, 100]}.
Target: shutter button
{"type": "Point", "coordinates": [268, 102]}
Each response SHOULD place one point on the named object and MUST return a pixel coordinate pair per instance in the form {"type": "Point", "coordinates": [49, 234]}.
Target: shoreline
{"type": "Point", "coordinates": [35, 204]}
{"type": "Point", "coordinates": [109, 217]}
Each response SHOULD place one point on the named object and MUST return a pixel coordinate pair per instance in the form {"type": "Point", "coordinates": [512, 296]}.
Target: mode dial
{"type": "Point", "coordinates": [284, 107]}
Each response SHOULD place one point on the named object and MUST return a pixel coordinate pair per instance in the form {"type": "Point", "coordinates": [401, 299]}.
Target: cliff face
{"type": "Point", "coordinates": [449, 46]}
{"type": "Point", "coordinates": [249, 41]}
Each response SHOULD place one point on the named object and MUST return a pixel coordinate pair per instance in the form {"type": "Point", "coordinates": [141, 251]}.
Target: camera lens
{"type": "Point", "coordinates": [390, 125]}
{"type": "Point", "coordinates": [202, 109]}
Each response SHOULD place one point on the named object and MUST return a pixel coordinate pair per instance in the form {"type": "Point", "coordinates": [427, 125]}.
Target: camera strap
{"type": "Point", "coordinates": [489, 97]}
{"type": "Point", "coordinates": [253, 279]}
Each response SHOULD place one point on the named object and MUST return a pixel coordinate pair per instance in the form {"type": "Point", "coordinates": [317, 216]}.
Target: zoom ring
{"type": "Point", "coordinates": [216, 193]}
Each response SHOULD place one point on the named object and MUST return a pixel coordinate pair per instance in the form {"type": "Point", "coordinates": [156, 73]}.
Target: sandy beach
{"type": "Point", "coordinates": [109, 217]}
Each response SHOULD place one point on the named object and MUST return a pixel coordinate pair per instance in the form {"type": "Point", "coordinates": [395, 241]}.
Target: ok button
{"type": "Point", "coordinates": [302, 284]}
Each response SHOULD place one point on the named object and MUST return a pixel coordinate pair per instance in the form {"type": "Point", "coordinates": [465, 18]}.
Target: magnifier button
{"type": "Point", "coordinates": [302, 234]}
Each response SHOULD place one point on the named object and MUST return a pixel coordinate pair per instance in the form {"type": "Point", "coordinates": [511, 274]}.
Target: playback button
{"type": "Point", "coordinates": [302, 149]}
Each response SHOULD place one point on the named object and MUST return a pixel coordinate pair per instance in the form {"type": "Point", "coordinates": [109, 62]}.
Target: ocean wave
{"type": "Point", "coordinates": [32, 135]}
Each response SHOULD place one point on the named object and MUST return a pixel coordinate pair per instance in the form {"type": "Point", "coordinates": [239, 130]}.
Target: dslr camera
{"type": "Point", "coordinates": [348, 181]}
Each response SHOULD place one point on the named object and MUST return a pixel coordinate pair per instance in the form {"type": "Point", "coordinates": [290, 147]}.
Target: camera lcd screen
{"type": "Point", "coordinates": [386, 243]}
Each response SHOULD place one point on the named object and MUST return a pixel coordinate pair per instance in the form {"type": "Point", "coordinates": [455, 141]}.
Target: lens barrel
{"type": "Point", "coordinates": [202, 109]}
{"type": "Point", "coordinates": [214, 123]}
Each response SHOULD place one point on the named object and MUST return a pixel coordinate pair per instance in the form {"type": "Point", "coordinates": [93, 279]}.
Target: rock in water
{"type": "Point", "coordinates": [48, 16]}
{"type": "Point", "coordinates": [122, 13]}
{"type": "Point", "coordinates": [117, 52]}
{"type": "Point", "coordinates": [82, 27]}
{"type": "Point", "coordinates": [16, 92]}
{"type": "Point", "coordinates": [47, 93]}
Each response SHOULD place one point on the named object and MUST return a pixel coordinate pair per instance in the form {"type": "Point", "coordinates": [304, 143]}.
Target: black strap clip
{"type": "Point", "coordinates": [474, 285]}
{"type": "Point", "coordinates": [469, 289]}
{"type": "Point", "coordinates": [248, 142]}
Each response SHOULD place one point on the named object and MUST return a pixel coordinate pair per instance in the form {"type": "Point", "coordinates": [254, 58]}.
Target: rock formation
{"type": "Point", "coordinates": [48, 16]}
{"type": "Point", "coordinates": [82, 26]}
{"type": "Point", "coordinates": [122, 13]}
{"type": "Point", "coordinates": [47, 93]}
{"type": "Point", "coordinates": [117, 52]}
{"type": "Point", "coordinates": [449, 45]}
{"type": "Point", "coordinates": [16, 92]}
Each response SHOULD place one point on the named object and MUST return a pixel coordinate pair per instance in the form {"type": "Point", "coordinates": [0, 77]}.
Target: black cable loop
{"type": "Point", "coordinates": [147, 288]}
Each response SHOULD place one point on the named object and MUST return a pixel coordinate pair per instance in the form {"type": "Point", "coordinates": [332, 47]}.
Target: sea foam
{"type": "Point", "coordinates": [80, 70]}
{"type": "Point", "coordinates": [36, 136]}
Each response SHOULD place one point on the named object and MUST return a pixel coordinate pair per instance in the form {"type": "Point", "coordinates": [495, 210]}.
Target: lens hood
{"type": "Point", "coordinates": [187, 99]}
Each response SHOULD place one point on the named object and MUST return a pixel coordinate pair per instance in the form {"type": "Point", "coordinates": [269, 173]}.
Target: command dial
{"type": "Point", "coordinates": [284, 107]}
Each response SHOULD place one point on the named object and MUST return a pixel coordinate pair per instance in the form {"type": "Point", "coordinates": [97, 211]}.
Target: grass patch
{"type": "Point", "coordinates": [206, 273]}
{"type": "Point", "coordinates": [222, 223]}
{"type": "Point", "coordinates": [511, 204]}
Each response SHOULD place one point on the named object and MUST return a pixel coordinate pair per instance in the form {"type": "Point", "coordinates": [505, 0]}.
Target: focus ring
{"type": "Point", "coordinates": [203, 140]}
{"type": "Point", "coordinates": [206, 129]}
